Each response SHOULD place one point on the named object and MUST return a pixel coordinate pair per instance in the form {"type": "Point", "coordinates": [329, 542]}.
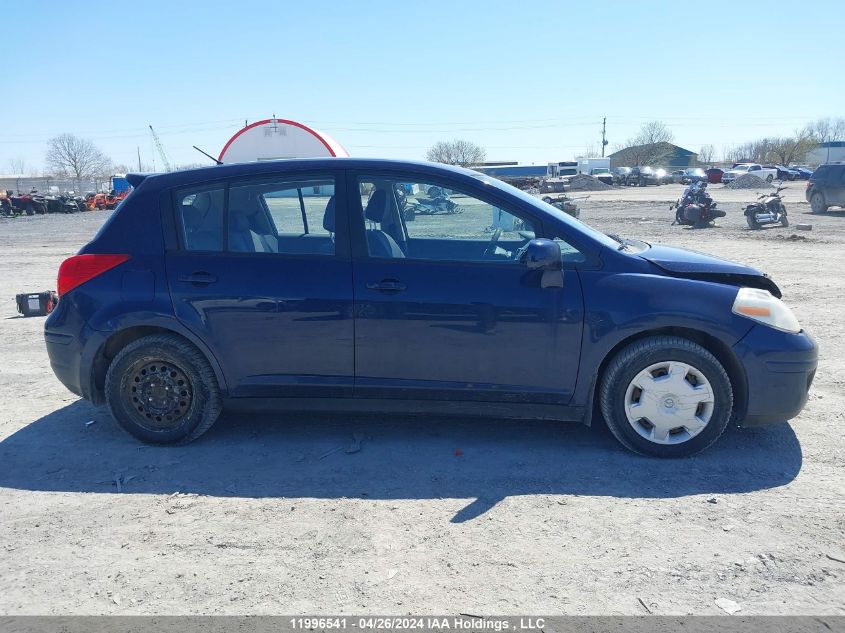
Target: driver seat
{"type": "Point", "coordinates": [379, 243]}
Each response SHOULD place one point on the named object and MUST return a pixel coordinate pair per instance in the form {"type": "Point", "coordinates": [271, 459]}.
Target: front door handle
{"type": "Point", "coordinates": [387, 286]}
{"type": "Point", "coordinates": [198, 278]}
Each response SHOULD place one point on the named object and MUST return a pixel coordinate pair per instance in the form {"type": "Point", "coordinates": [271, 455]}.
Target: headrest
{"type": "Point", "coordinates": [328, 216]}
{"type": "Point", "coordinates": [377, 206]}
{"type": "Point", "coordinates": [202, 201]}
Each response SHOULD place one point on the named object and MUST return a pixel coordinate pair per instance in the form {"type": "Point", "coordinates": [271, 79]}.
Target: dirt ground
{"type": "Point", "coordinates": [271, 515]}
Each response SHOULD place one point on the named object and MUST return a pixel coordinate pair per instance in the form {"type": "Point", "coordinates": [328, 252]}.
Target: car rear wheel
{"type": "Point", "coordinates": [666, 396]}
{"type": "Point", "coordinates": [162, 390]}
{"type": "Point", "coordinates": [817, 203]}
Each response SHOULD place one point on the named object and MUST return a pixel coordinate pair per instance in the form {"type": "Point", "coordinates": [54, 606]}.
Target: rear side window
{"type": "Point", "coordinates": [283, 216]}
{"type": "Point", "coordinates": [821, 172]}
{"type": "Point", "coordinates": [200, 212]}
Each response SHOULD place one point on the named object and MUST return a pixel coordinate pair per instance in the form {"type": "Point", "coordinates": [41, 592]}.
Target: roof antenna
{"type": "Point", "coordinates": [219, 162]}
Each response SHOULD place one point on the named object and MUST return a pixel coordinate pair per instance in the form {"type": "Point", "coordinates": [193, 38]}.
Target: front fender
{"type": "Point", "coordinates": [622, 306]}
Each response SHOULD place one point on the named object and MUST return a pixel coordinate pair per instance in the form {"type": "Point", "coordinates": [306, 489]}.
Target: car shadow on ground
{"type": "Point", "coordinates": [79, 448]}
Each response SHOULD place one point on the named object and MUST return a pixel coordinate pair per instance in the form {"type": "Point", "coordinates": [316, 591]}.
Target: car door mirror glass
{"type": "Point", "coordinates": [543, 254]}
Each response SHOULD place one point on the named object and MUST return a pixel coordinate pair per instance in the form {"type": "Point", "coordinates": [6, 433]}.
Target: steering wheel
{"type": "Point", "coordinates": [491, 247]}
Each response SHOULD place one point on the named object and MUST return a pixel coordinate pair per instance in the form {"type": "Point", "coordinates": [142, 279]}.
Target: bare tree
{"type": "Point", "coordinates": [651, 146]}
{"type": "Point", "coordinates": [17, 166]}
{"type": "Point", "coordinates": [828, 130]}
{"type": "Point", "coordinates": [589, 151]}
{"type": "Point", "coordinates": [706, 154]}
{"type": "Point", "coordinates": [652, 133]}
{"type": "Point", "coordinates": [77, 158]}
{"type": "Point", "coordinates": [791, 149]}
{"type": "Point", "coordinates": [457, 152]}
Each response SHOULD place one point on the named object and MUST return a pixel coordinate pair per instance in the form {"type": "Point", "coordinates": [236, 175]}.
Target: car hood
{"type": "Point", "coordinates": [679, 262]}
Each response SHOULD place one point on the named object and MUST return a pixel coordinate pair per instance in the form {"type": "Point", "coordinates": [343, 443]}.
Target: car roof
{"type": "Point", "coordinates": [215, 172]}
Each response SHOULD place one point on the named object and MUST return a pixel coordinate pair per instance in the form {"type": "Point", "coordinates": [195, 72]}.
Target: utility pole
{"type": "Point", "coordinates": [138, 147]}
{"type": "Point", "coordinates": [603, 135]}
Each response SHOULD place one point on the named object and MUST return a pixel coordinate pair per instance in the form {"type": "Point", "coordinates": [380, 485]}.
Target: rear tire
{"type": "Point", "coordinates": [752, 222]}
{"type": "Point", "coordinates": [678, 383]}
{"type": "Point", "coordinates": [162, 390]}
{"type": "Point", "coordinates": [817, 203]}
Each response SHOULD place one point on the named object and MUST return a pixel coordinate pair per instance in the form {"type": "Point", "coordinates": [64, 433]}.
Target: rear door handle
{"type": "Point", "coordinates": [387, 285]}
{"type": "Point", "coordinates": [198, 278]}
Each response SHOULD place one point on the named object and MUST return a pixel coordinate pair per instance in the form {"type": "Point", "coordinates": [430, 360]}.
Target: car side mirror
{"type": "Point", "coordinates": [543, 254]}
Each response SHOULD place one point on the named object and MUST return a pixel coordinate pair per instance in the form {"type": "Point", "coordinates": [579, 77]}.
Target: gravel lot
{"type": "Point", "coordinates": [271, 515]}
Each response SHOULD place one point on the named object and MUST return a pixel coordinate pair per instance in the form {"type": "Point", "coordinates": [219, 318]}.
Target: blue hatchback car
{"type": "Point", "coordinates": [390, 286]}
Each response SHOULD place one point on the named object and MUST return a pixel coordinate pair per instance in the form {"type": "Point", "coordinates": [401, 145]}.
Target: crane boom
{"type": "Point", "coordinates": [160, 150]}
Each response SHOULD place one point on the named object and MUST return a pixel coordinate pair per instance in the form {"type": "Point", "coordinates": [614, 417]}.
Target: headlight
{"type": "Point", "coordinates": [761, 306]}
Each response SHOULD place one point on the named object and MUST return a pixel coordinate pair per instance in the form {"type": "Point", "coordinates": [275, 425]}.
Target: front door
{"type": "Point", "coordinates": [444, 307]}
{"type": "Point", "coordinates": [263, 277]}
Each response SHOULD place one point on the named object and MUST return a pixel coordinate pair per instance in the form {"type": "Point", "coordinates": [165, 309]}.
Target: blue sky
{"type": "Point", "coordinates": [529, 81]}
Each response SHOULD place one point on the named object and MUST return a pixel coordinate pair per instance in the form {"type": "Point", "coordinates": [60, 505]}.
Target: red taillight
{"type": "Point", "coordinates": [78, 269]}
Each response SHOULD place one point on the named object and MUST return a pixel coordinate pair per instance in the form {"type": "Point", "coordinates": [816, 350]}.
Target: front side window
{"type": "Point", "coordinates": [412, 219]}
{"type": "Point", "coordinates": [200, 212]}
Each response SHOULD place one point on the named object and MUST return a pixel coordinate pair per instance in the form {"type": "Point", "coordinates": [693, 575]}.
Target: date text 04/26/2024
{"type": "Point", "coordinates": [428, 623]}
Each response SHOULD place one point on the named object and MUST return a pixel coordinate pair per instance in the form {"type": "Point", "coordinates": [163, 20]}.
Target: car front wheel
{"type": "Point", "coordinates": [162, 390]}
{"type": "Point", "coordinates": [666, 396]}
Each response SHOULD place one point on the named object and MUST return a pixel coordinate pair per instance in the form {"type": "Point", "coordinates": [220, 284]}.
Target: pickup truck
{"type": "Point", "coordinates": [749, 168]}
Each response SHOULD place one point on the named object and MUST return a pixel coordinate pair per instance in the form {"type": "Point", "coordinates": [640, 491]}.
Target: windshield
{"type": "Point", "coordinates": [741, 167]}
{"type": "Point", "coordinates": [547, 209]}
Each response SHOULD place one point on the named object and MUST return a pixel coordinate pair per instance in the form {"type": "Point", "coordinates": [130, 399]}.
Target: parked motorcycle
{"type": "Point", "coordinates": [696, 207]}
{"type": "Point", "coordinates": [768, 209]}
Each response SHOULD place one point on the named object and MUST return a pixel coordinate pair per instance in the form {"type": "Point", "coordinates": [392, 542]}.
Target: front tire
{"type": "Point", "coordinates": [769, 178]}
{"type": "Point", "coordinates": [666, 396]}
{"type": "Point", "coordinates": [162, 390]}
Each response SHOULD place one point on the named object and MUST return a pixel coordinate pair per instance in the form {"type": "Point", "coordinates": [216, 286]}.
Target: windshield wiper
{"type": "Point", "coordinates": [623, 243]}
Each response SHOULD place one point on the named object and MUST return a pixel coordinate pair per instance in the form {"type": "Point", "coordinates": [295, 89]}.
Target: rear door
{"type": "Point", "coordinates": [263, 276]}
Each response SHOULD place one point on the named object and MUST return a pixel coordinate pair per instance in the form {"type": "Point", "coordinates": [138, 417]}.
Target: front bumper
{"type": "Point", "coordinates": [779, 369]}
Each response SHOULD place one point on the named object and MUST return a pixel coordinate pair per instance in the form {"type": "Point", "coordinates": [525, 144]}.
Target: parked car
{"type": "Point", "coordinates": [826, 187]}
{"type": "Point", "coordinates": [642, 176]}
{"type": "Point", "coordinates": [714, 175]}
{"type": "Point", "coordinates": [675, 176]}
{"type": "Point", "coordinates": [740, 169]}
{"type": "Point", "coordinates": [295, 285]}
{"type": "Point", "coordinates": [783, 173]}
{"type": "Point", "coordinates": [693, 174]}
{"type": "Point", "coordinates": [620, 175]}
{"type": "Point", "coordinates": [804, 173]}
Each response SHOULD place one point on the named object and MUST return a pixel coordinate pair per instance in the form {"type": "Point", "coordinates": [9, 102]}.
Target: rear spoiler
{"type": "Point", "coordinates": [135, 179]}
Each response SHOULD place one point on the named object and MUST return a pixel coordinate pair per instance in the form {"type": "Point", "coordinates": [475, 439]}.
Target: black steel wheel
{"type": "Point", "coordinates": [162, 390]}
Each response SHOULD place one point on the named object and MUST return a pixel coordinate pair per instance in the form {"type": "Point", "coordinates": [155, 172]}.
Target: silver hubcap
{"type": "Point", "coordinates": [669, 402]}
